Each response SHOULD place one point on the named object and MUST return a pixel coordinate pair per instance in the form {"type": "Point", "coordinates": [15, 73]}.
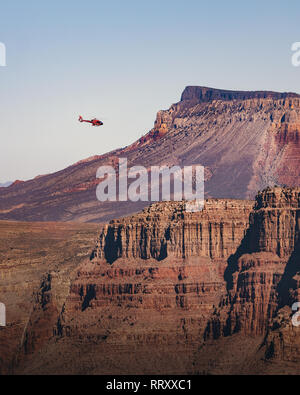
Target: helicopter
{"type": "Point", "coordinates": [94, 122]}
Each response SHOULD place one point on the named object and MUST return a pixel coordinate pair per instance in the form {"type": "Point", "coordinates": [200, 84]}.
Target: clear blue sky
{"type": "Point", "coordinates": [123, 61]}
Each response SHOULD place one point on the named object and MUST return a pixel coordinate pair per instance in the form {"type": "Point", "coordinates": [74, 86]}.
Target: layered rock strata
{"type": "Point", "coordinates": [166, 291]}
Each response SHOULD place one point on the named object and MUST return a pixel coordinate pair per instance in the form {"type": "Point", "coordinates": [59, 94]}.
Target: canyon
{"type": "Point", "coordinates": [96, 287]}
{"type": "Point", "coordinates": [246, 141]}
{"type": "Point", "coordinates": [28, 254]}
{"type": "Point", "coordinates": [166, 291]}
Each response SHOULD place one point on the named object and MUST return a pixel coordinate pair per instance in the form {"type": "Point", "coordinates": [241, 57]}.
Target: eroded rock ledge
{"type": "Point", "coordinates": [167, 230]}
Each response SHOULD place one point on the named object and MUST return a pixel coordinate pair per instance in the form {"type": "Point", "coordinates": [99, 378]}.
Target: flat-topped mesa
{"type": "Point", "coordinates": [280, 110]}
{"type": "Point", "coordinates": [245, 141]}
{"type": "Point", "coordinates": [165, 229]}
{"type": "Point", "coordinates": [205, 94]}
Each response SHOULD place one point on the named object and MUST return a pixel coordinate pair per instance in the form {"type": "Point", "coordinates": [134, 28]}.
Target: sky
{"type": "Point", "coordinates": [122, 61]}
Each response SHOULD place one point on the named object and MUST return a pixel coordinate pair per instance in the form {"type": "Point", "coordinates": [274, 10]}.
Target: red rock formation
{"type": "Point", "coordinates": [154, 280]}
{"type": "Point", "coordinates": [167, 230]}
{"type": "Point", "coordinates": [167, 291]}
{"type": "Point", "coordinates": [255, 275]}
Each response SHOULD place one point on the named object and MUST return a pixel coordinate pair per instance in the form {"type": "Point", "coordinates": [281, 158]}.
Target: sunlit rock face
{"type": "Point", "coordinates": [164, 291]}
{"type": "Point", "coordinates": [246, 141]}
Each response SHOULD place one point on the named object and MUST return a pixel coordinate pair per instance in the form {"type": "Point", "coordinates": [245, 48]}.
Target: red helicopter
{"type": "Point", "coordinates": [94, 122]}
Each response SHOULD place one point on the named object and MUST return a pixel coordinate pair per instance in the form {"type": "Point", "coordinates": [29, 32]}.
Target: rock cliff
{"type": "Point", "coordinates": [259, 274]}
{"type": "Point", "coordinates": [167, 230]}
{"type": "Point", "coordinates": [166, 291]}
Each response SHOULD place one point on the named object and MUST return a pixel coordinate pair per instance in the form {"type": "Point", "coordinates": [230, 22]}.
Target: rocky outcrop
{"type": "Point", "coordinates": [257, 274]}
{"type": "Point", "coordinates": [168, 230]}
{"type": "Point", "coordinates": [153, 280]}
{"type": "Point", "coordinates": [168, 291]}
{"type": "Point", "coordinates": [204, 94]}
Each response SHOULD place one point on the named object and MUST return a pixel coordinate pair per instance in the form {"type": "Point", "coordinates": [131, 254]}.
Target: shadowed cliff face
{"type": "Point", "coordinates": [246, 141]}
{"type": "Point", "coordinates": [264, 269]}
{"type": "Point", "coordinates": [166, 230]}
{"type": "Point", "coordinates": [167, 291]}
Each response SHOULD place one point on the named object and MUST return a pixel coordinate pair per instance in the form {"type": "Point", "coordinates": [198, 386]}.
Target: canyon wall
{"type": "Point", "coordinates": [167, 291]}
{"type": "Point", "coordinates": [259, 274]}
{"type": "Point", "coordinates": [146, 295]}
{"type": "Point", "coordinates": [168, 230]}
